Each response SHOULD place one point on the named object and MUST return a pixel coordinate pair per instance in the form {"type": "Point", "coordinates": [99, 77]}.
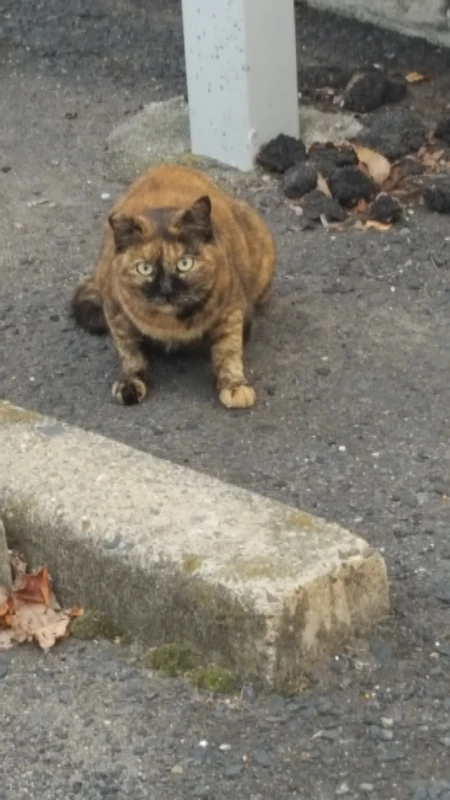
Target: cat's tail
{"type": "Point", "coordinates": [87, 308]}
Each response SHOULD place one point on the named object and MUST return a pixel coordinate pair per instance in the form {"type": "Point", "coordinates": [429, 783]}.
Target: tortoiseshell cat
{"type": "Point", "coordinates": [180, 261]}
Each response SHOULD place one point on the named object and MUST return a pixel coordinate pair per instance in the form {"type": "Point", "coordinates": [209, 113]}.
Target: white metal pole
{"type": "Point", "coordinates": [242, 76]}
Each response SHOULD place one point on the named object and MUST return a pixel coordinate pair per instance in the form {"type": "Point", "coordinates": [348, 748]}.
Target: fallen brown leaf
{"type": "Point", "coordinates": [394, 178]}
{"type": "Point", "coordinates": [417, 77]}
{"type": "Point", "coordinates": [30, 611]}
{"type": "Point", "coordinates": [35, 588]}
{"type": "Point", "coordinates": [376, 165]}
{"type": "Point", "coordinates": [322, 185]}
{"type": "Point", "coordinates": [4, 603]}
{"type": "Point", "coordinates": [379, 226]}
{"type": "Point", "coordinates": [430, 158]}
{"type": "Point", "coordinates": [361, 206]}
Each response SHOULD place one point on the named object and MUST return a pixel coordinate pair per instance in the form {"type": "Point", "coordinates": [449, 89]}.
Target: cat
{"type": "Point", "coordinates": [181, 261]}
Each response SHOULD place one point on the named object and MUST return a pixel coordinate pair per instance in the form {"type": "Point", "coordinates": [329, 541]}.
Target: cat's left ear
{"type": "Point", "coordinates": [198, 218]}
{"type": "Point", "coordinates": [127, 231]}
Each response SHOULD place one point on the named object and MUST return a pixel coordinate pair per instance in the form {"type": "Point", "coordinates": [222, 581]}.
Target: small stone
{"type": "Point", "coordinates": [349, 185]}
{"type": "Point", "coordinates": [420, 793]}
{"type": "Point", "coordinates": [299, 180]}
{"type": "Point", "coordinates": [443, 592]}
{"type": "Point", "coordinates": [5, 168]}
{"type": "Point", "coordinates": [198, 755]}
{"type": "Point", "coordinates": [383, 651]}
{"type": "Point", "coordinates": [261, 757]}
{"type": "Point", "coordinates": [386, 209]}
{"type": "Point", "coordinates": [380, 734]}
{"type": "Point", "coordinates": [414, 285]}
{"type": "Point", "coordinates": [387, 722]}
{"type": "Point", "coordinates": [234, 770]}
{"type": "Point", "coordinates": [437, 198]}
{"type": "Point", "coordinates": [140, 749]}
{"type": "Point", "coordinates": [225, 748]}
{"type": "Point", "coordinates": [201, 791]}
{"type": "Point", "coordinates": [177, 770]}
{"type": "Point", "coordinates": [366, 787]}
{"type": "Point", "coordinates": [443, 130]}
{"type": "Point", "coordinates": [323, 371]}
{"type": "Point", "coordinates": [281, 153]}
{"type": "Point", "coordinates": [331, 735]}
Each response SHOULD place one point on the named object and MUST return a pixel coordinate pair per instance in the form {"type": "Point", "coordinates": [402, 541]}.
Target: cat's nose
{"type": "Point", "coordinates": [165, 286]}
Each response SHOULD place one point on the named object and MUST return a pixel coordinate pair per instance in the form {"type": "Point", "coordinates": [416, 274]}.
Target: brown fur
{"type": "Point", "coordinates": [169, 214]}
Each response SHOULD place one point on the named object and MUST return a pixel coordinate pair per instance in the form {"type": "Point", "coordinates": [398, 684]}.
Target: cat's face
{"type": "Point", "coordinates": [166, 258]}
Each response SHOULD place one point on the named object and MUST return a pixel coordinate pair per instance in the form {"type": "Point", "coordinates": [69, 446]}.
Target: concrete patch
{"type": "Point", "coordinates": [429, 20]}
{"type": "Point", "coordinates": [5, 569]}
{"type": "Point", "coordinates": [174, 555]}
{"type": "Point", "coordinates": [160, 132]}
{"type": "Point", "coordinates": [326, 126]}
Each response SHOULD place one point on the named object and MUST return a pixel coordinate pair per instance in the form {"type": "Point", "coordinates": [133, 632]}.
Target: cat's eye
{"type": "Point", "coordinates": [185, 264]}
{"type": "Point", "coordinates": [145, 268]}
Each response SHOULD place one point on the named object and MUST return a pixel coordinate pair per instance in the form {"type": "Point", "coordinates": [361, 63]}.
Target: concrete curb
{"type": "Point", "coordinates": [427, 20]}
{"type": "Point", "coordinates": [5, 569]}
{"type": "Point", "coordinates": [173, 555]}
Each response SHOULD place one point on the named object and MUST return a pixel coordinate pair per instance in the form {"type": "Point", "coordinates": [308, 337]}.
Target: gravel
{"type": "Point", "coordinates": [351, 367]}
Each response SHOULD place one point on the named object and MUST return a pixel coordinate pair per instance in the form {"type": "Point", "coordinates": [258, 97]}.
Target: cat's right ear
{"type": "Point", "coordinates": [127, 231]}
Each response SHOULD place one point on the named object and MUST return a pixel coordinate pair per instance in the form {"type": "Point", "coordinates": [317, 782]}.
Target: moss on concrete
{"type": "Point", "coordinates": [95, 625]}
{"type": "Point", "coordinates": [172, 659]}
{"type": "Point", "coordinates": [10, 414]}
{"type": "Point", "coordinates": [191, 563]}
{"type": "Point", "coordinates": [213, 678]}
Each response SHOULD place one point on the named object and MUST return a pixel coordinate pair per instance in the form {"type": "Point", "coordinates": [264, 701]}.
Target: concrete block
{"type": "Point", "coordinates": [429, 19]}
{"type": "Point", "coordinates": [175, 555]}
{"type": "Point", "coordinates": [5, 569]}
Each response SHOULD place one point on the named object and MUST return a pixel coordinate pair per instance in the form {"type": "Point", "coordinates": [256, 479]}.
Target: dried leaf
{"type": "Point", "coordinates": [4, 604]}
{"type": "Point", "coordinates": [322, 185]}
{"type": "Point", "coordinates": [35, 588]}
{"type": "Point", "coordinates": [393, 180]}
{"type": "Point", "coordinates": [416, 77]}
{"type": "Point", "coordinates": [361, 206]}
{"type": "Point", "coordinates": [378, 166]}
{"type": "Point", "coordinates": [37, 621]}
{"type": "Point", "coordinates": [30, 612]}
{"type": "Point", "coordinates": [430, 158]}
{"type": "Point", "coordinates": [379, 226]}
{"type": "Point", "coordinates": [5, 640]}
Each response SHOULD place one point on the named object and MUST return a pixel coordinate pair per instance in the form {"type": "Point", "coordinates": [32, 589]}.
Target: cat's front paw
{"type": "Point", "coordinates": [242, 396]}
{"type": "Point", "coordinates": [129, 391]}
